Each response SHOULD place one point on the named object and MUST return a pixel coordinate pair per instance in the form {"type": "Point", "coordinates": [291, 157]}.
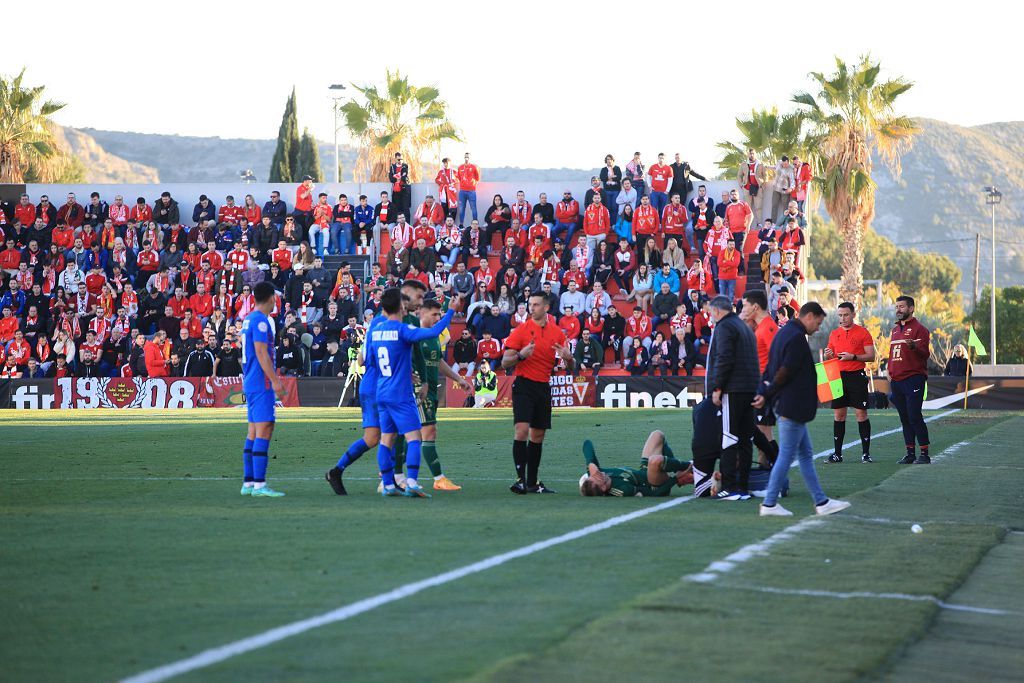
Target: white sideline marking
{"type": "Point", "coordinates": [235, 478]}
{"type": "Point", "coordinates": [896, 430]}
{"type": "Point", "coordinates": [748, 552]}
{"type": "Point", "coordinates": [909, 597]}
{"type": "Point", "coordinates": [224, 652]}
{"type": "Point", "coordinates": [951, 450]}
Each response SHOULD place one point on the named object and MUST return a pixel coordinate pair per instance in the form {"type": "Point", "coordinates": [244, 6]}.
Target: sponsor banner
{"type": "Point", "coordinates": [567, 391]}
{"type": "Point", "coordinates": [226, 392]}
{"type": "Point", "coordinates": [131, 392]}
{"type": "Point", "coordinates": [649, 392]}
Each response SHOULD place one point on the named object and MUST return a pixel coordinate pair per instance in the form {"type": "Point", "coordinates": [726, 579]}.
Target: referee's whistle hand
{"type": "Point", "coordinates": [527, 350]}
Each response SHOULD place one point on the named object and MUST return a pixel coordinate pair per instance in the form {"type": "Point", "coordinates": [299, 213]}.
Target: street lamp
{"type": "Point", "coordinates": [993, 197]}
{"type": "Point", "coordinates": [337, 163]}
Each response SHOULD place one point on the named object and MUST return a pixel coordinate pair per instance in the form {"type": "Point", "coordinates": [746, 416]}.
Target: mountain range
{"type": "Point", "coordinates": [936, 204]}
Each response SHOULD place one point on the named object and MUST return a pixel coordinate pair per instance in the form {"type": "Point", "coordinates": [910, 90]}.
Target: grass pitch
{"type": "Point", "coordinates": [124, 546]}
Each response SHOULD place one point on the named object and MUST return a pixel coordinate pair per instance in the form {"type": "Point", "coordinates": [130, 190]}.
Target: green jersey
{"type": "Point", "coordinates": [628, 482]}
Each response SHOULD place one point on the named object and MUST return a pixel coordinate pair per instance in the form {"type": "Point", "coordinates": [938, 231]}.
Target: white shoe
{"type": "Point", "coordinates": [759, 494]}
{"type": "Point", "coordinates": [831, 507]}
{"type": "Point", "coordinates": [774, 511]}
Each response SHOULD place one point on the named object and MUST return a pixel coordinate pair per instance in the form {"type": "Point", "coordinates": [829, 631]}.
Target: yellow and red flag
{"type": "Point", "coordinates": [830, 382]}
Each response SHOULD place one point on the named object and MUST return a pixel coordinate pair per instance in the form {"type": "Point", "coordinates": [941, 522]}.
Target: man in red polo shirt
{"type": "Point", "coordinates": [304, 205]}
{"type": "Point", "coordinates": [532, 350]}
{"type": "Point", "coordinates": [853, 346]}
{"type": "Point", "coordinates": [661, 179]}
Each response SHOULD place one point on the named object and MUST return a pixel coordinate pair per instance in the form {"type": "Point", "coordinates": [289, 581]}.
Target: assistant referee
{"type": "Point", "coordinates": [532, 350]}
{"type": "Point", "coordinates": [853, 346]}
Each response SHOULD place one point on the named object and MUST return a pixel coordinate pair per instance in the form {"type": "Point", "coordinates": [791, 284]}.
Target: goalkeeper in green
{"type": "Point", "coordinates": [659, 471]}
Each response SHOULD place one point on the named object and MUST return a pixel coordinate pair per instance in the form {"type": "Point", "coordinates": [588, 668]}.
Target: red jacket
{"type": "Point", "coordinates": [148, 259]}
{"type": "Point", "coordinates": [645, 220]}
{"type": "Point", "coordinates": [524, 212]}
{"type": "Point", "coordinates": [469, 176]}
{"type": "Point", "coordinates": [10, 258]}
{"type": "Point", "coordinates": [447, 184]}
{"type": "Point", "coordinates": [282, 257]}
{"type": "Point", "coordinates": [728, 265]}
{"type": "Point", "coordinates": [142, 213]}
{"type": "Point", "coordinates": [201, 305]}
{"type": "Point", "coordinates": [179, 306]}
{"type": "Point", "coordinates": [488, 349]}
{"type": "Point", "coordinates": [638, 327]}
{"type": "Point", "coordinates": [596, 220]}
{"type": "Point", "coordinates": [674, 219]}
{"type": "Point", "coordinates": [434, 214]}
{"type": "Point", "coordinates": [567, 212]}
{"type": "Point", "coordinates": [214, 258]}
{"type": "Point", "coordinates": [155, 361]}
{"type": "Point", "coordinates": [570, 325]}
{"type": "Point", "coordinates": [230, 214]}
{"type": "Point", "coordinates": [905, 362]}
{"type": "Point", "coordinates": [427, 234]}
{"type": "Point", "coordinates": [26, 213]}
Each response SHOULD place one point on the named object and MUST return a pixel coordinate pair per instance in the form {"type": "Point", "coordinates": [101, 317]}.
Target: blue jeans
{"type": "Point", "coordinates": [567, 228]}
{"type": "Point", "coordinates": [690, 237]}
{"type": "Point", "coordinates": [452, 257]}
{"type": "Point", "coordinates": [466, 197]}
{"type": "Point", "coordinates": [794, 442]}
{"type": "Point", "coordinates": [341, 237]}
{"type": "Point", "coordinates": [659, 200]}
{"type": "Point", "coordinates": [317, 237]}
{"type": "Point", "coordinates": [727, 288]}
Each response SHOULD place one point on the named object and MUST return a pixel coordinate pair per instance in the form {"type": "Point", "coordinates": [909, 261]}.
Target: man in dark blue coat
{"type": "Point", "coordinates": [789, 387]}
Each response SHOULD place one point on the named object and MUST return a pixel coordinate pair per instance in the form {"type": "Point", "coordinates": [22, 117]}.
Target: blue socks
{"type": "Point", "coordinates": [259, 460]}
{"type": "Point", "coordinates": [354, 452]}
{"type": "Point", "coordinates": [247, 462]}
{"type": "Point", "coordinates": [386, 464]}
{"type": "Point", "coordinates": [412, 459]}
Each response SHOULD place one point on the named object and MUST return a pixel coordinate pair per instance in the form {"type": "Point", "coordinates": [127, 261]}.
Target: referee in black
{"type": "Point", "coordinates": [532, 351]}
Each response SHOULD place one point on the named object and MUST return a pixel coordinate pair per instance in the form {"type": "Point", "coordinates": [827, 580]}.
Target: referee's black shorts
{"type": "Point", "coordinates": [765, 416]}
{"type": "Point", "coordinates": [531, 402]}
{"type": "Point", "coordinates": [855, 391]}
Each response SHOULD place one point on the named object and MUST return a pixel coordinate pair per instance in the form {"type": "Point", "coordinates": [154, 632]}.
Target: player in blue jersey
{"type": "Point", "coordinates": [390, 346]}
{"type": "Point", "coordinates": [261, 386]}
{"type": "Point", "coordinates": [371, 420]}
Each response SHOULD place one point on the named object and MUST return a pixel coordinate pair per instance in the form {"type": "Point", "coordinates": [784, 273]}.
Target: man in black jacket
{"type": "Point", "coordinates": [334, 362]}
{"type": "Point", "coordinates": [732, 380]}
{"type": "Point", "coordinates": [789, 387]}
{"type": "Point", "coordinates": [200, 361]}
{"type": "Point", "coordinates": [681, 174]}
{"type": "Point", "coordinates": [464, 353]}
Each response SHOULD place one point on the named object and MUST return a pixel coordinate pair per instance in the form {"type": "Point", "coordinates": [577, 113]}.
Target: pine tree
{"type": "Point", "coordinates": [284, 166]}
{"type": "Point", "coordinates": [309, 157]}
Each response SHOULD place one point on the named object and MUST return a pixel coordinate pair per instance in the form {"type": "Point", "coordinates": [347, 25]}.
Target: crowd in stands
{"type": "Point", "coordinates": [93, 288]}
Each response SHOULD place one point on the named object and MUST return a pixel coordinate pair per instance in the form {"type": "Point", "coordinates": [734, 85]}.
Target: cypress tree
{"type": "Point", "coordinates": [284, 166]}
{"type": "Point", "coordinates": [309, 157]}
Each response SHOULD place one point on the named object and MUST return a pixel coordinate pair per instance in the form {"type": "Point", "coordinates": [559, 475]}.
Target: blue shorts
{"type": "Point", "coordinates": [399, 418]}
{"type": "Point", "coordinates": [371, 418]}
{"type": "Point", "coordinates": [260, 406]}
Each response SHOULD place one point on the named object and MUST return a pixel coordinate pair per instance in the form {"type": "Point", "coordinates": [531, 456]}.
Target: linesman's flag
{"type": "Point", "coordinates": [974, 343]}
{"type": "Point", "coordinates": [830, 382]}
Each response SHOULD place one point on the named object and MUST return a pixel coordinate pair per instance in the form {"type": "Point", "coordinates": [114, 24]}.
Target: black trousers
{"type": "Point", "coordinates": [908, 395]}
{"type": "Point", "coordinates": [738, 424]}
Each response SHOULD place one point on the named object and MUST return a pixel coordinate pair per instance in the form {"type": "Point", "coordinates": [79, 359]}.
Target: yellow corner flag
{"type": "Point", "coordinates": [975, 343]}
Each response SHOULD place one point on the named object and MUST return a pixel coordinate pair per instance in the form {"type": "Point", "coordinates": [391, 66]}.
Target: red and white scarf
{"type": "Point", "coordinates": [307, 301]}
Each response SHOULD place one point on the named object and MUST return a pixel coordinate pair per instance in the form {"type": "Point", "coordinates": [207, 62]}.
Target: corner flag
{"type": "Point", "coordinates": [974, 343]}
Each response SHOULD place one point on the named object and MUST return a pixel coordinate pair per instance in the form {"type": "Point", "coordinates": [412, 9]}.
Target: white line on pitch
{"type": "Point", "coordinates": [852, 595]}
{"type": "Point", "coordinates": [896, 430]}
{"type": "Point", "coordinates": [219, 654]}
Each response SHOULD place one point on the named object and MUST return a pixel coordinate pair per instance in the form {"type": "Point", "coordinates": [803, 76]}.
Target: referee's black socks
{"type": "Point", "coordinates": [838, 434]}
{"type": "Point", "coordinates": [519, 456]}
{"type": "Point", "coordinates": [533, 451]}
{"type": "Point", "coordinates": [865, 436]}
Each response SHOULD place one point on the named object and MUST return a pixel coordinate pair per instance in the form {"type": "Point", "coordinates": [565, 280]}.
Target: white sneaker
{"type": "Point", "coordinates": [774, 511]}
{"type": "Point", "coordinates": [759, 494]}
{"type": "Point", "coordinates": [831, 507]}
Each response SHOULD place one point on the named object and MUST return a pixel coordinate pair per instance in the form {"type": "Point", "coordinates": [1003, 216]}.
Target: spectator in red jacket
{"type": "Point", "coordinates": [570, 324]}
{"type": "Point", "coordinates": [728, 269]}
{"type": "Point", "coordinates": [567, 217]}
{"type": "Point", "coordinates": [156, 361]}
{"type": "Point", "coordinates": [638, 326]}
{"type": "Point", "coordinates": [201, 303]}
{"type": "Point", "coordinates": [488, 350]}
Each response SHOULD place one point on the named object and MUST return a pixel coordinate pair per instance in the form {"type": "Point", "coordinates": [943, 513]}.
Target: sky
{"type": "Point", "coordinates": [529, 83]}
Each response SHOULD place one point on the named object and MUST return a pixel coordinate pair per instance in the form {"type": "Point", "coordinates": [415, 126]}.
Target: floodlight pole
{"type": "Point", "coordinates": [337, 160]}
{"type": "Point", "coordinates": [993, 197]}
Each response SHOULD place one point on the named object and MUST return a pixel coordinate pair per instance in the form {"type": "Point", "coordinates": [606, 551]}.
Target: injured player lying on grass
{"type": "Point", "coordinates": [659, 471]}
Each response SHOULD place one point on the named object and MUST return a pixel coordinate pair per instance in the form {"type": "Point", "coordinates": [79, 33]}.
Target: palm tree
{"type": "Point", "coordinates": [27, 138]}
{"type": "Point", "coordinates": [853, 116]}
{"type": "Point", "coordinates": [768, 133]}
{"type": "Point", "coordinates": [403, 118]}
